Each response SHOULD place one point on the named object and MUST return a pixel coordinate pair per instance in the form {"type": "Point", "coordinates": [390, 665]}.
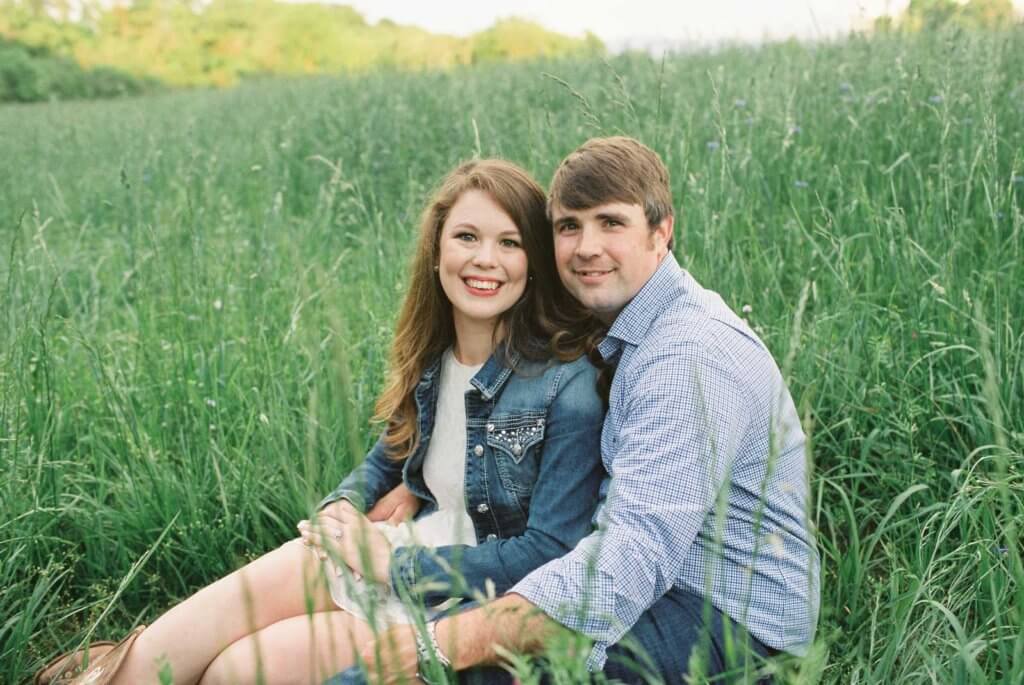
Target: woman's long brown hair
{"type": "Point", "coordinates": [546, 322]}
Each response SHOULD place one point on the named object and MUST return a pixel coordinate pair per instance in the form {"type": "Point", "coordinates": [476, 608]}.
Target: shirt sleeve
{"type": "Point", "coordinates": [683, 417]}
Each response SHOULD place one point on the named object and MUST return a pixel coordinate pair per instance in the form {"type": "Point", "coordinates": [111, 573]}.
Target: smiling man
{"type": "Point", "coordinates": [702, 555]}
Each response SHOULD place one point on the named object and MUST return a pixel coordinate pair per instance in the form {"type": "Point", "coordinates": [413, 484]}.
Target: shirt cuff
{"type": "Point", "coordinates": [552, 592]}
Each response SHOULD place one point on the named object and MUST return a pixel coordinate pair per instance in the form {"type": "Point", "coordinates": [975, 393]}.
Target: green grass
{"type": "Point", "coordinates": [198, 290]}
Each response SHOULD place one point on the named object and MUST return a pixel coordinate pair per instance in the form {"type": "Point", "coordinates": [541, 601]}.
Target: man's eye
{"type": "Point", "coordinates": [565, 228]}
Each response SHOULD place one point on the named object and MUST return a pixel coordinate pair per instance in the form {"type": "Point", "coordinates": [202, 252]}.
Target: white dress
{"type": "Point", "coordinates": [444, 470]}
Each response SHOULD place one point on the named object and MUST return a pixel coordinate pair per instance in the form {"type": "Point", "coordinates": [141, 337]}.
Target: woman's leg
{"type": "Point", "coordinates": [284, 583]}
{"type": "Point", "coordinates": [303, 650]}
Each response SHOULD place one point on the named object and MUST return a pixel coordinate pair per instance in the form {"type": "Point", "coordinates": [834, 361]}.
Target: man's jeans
{"type": "Point", "coordinates": [680, 629]}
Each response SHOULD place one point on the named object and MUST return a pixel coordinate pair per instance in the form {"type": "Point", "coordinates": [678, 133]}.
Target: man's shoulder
{"type": "Point", "coordinates": [699, 330]}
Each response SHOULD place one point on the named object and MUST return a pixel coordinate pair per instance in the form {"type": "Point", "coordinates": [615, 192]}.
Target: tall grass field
{"type": "Point", "coordinates": [198, 288]}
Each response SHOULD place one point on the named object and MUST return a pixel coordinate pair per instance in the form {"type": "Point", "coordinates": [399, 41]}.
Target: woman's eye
{"type": "Point", "coordinates": [508, 242]}
{"type": "Point", "coordinates": [466, 237]}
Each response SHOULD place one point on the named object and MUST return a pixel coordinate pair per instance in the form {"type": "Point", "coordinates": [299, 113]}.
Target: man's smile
{"type": "Point", "coordinates": [591, 275]}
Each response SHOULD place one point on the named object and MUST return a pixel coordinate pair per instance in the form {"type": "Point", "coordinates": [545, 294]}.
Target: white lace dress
{"type": "Point", "coordinates": [444, 470]}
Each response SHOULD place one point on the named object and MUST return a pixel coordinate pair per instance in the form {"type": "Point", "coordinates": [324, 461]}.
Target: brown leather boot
{"type": "Point", "coordinates": [94, 665]}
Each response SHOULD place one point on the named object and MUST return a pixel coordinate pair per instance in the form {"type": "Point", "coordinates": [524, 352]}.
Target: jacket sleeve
{"type": "Point", "coordinates": [561, 509]}
{"type": "Point", "coordinates": [369, 481]}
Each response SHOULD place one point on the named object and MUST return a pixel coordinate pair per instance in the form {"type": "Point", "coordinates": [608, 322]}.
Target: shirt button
{"type": "Point", "coordinates": [490, 428]}
{"type": "Point", "coordinates": [491, 537]}
{"type": "Point", "coordinates": [478, 450]}
{"type": "Point", "coordinates": [483, 508]}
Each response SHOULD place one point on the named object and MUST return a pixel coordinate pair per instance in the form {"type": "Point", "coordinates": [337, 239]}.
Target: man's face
{"type": "Point", "coordinates": [605, 254]}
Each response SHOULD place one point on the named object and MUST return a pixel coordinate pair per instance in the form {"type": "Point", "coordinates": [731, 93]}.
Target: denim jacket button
{"type": "Point", "coordinates": [483, 508]}
{"type": "Point", "coordinates": [478, 450]}
{"type": "Point", "coordinates": [492, 536]}
{"type": "Point", "coordinates": [490, 428]}
{"type": "Point", "coordinates": [517, 449]}
{"type": "Point", "coordinates": [540, 422]}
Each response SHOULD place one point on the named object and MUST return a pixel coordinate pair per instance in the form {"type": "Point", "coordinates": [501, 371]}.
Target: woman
{"type": "Point", "coordinates": [492, 418]}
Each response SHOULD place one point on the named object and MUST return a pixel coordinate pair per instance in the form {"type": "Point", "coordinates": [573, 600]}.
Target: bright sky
{"type": "Point", "coordinates": [639, 22]}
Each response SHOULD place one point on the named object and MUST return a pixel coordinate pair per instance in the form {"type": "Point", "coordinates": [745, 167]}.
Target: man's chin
{"type": "Point", "coordinates": [602, 309]}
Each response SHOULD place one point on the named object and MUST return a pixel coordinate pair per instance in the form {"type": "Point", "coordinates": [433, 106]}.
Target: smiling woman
{"type": "Point", "coordinates": [492, 421]}
{"type": "Point", "coordinates": [483, 270]}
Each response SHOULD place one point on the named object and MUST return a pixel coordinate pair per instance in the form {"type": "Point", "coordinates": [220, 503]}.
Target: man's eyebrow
{"type": "Point", "coordinates": [614, 216]}
{"type": "Point", "coordinates": [568, 218]}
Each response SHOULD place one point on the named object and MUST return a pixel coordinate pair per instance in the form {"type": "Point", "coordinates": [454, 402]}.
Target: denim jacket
{"type": "Point", "coordinates": [533, 470]}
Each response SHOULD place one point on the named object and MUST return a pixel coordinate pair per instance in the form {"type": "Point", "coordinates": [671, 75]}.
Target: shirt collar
{"type": "Point", "coordinates": [631, 325]}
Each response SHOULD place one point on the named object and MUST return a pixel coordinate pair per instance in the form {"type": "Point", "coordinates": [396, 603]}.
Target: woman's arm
{"type": "Point", "coordinates": [369, 481]}
{"type": "Point", "coordinates": [561, 508]}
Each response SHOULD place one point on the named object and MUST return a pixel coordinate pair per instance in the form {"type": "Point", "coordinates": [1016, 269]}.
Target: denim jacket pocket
{"type": "Point", "coordinates": [513, 438]}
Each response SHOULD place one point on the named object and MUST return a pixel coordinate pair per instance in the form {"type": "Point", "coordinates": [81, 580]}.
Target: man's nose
{"type": "Point", "coordinates": [589, 244]}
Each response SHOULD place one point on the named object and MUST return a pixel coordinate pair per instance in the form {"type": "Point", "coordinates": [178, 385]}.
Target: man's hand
{"type": "Point", "coordinates": [395, 507]}
{"type": "Point", "coordinates": [392, 656]}
{"type": "Point", "coordinates": [346, 534]}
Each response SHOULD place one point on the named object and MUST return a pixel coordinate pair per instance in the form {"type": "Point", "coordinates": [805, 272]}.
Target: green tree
{"type": "Point", "coordinates": [931, 15]}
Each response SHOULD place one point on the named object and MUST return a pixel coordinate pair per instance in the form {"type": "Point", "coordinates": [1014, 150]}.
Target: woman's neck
{"type": "Point", "coordinates": [474, 341]}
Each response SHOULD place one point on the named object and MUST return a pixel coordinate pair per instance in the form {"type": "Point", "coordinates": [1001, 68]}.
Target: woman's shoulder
{"type": "Point", "coordinates": [555, 383]}
{"type": "Point", "coordinates": [552, 370]}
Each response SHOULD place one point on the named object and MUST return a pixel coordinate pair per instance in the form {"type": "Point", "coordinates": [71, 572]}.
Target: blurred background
{"type": "Point", "coordinates": [59, 49]}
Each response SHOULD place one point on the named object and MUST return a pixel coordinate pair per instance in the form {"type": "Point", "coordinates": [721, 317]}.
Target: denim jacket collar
{"type": "Point", "coordinates": [488, 380]}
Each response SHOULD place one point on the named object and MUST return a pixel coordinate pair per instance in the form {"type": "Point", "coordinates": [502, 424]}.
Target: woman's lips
{"type": "Point", "coordinates": [482, 287]}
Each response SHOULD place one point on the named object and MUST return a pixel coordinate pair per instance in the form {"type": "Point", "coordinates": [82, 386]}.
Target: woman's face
{"type": "Point", "coordinates": [482, 262]}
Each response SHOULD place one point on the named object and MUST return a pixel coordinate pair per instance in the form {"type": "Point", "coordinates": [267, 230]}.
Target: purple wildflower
{"type": "Point", "coordinates": [713, 145]}
{"type": "Point", "coordinates": [935, 99]}
{"type": "Point", "coordinates": [739, 103]}
{"type": "Point", "coordinates": [799, 184]}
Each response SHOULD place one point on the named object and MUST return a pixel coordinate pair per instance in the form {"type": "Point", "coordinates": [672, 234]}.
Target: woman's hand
{"type": "Point", "coordinates": [395, 507]}
{"type": "Point", "coordinates": [344, 533]}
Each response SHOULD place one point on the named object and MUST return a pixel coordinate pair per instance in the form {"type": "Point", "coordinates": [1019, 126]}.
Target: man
{"type": "Point", "coordinates": [703, 548]}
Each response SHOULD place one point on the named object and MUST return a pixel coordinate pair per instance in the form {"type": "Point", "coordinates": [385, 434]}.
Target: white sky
{"type": "Point", "coordinates": [636, 22]}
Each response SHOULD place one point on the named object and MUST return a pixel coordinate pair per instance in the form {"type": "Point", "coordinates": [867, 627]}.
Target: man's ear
{"type": "Point", "coordinates": [662, 233]}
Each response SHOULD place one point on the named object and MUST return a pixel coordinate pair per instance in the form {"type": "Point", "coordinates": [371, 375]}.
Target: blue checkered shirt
{"type": "Point", "coordinates": [708, 487]}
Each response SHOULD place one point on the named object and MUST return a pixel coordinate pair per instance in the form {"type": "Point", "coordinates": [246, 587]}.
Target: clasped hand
{"type": "Point", "coordinates": [341, 532]}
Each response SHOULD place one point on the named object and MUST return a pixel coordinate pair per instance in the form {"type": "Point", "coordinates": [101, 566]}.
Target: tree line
{"type": "Point", "coordinates": [220, 42]}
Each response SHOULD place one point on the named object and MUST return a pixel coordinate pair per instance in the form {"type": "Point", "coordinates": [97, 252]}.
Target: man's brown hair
{"type": "Point", "coordinates": [614, 169]}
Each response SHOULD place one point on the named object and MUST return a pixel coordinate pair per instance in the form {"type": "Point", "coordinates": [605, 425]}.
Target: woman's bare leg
{"type": "Point", "coordinates": [304, 650]}
{"type": "Point", "coordinates": [284, 583]}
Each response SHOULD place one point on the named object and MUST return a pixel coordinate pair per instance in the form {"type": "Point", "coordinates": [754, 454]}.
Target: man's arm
{"type": "Point", "coordinates": [471, 638]}
{"type": "Point", "coordinates": [511, 623]}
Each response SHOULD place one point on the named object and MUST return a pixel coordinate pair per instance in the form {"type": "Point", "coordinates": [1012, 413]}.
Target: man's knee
{"type": "Point", "coordinates": [683, 634]}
